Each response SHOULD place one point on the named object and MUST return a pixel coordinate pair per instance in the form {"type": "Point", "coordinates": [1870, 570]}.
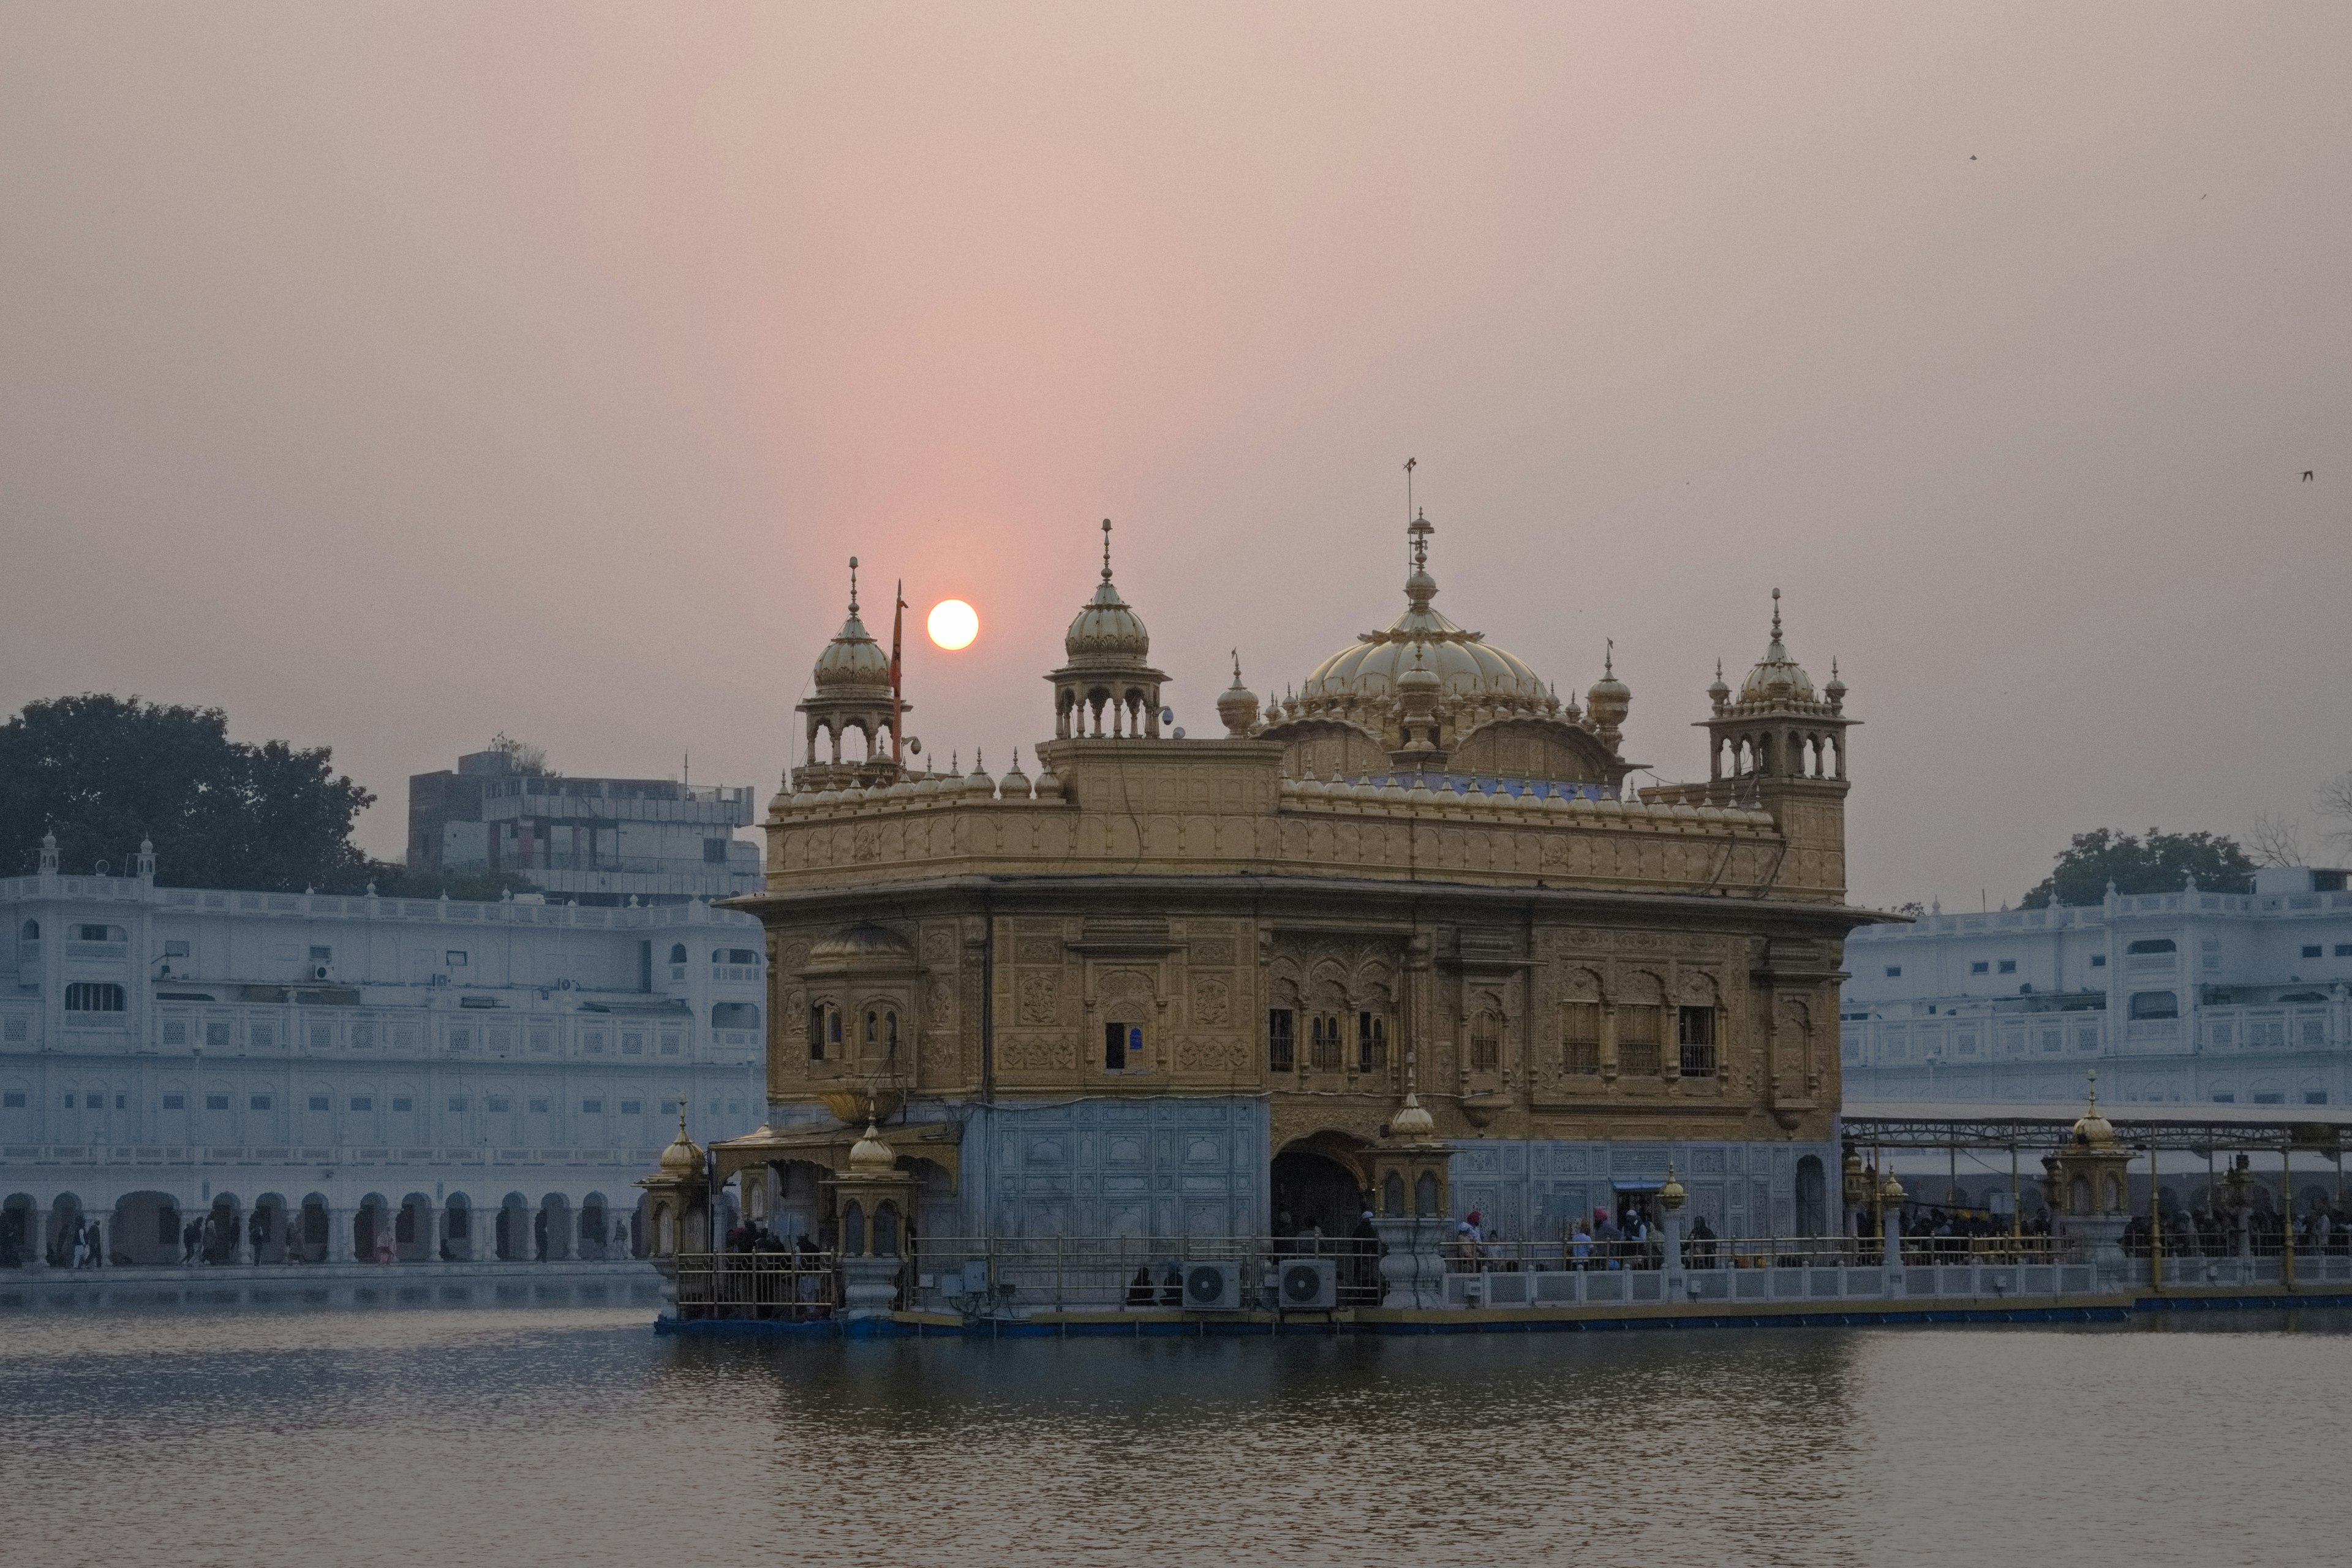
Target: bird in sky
{"type": "Point", "coordinates": [2306, 475]}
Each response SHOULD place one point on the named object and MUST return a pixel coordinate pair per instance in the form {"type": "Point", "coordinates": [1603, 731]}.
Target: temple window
{"type": "Point", "coordinates": [1122, 1047]}
{"type": "Point", "coordinates": [1325, 1056]}
{"type": "Point", "coordinates": [1637, 1041]}
{"type": "Point", "coordinates": [1697, 1038]}
{"type": "Point", "coordinates": [1281, 1040]}
{"type": "Point", "coordinates": [1372, 1043]}
{"type": "Point", "coordinates": [816, 1032]}
{"type": "Point", "coordinates": [1580, 1038]}
{"type": "Point", "coordinates": [1485, 1043]}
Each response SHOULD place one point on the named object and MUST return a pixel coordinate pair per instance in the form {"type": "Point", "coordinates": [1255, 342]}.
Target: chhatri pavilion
{"type": "Point", "coordinates": [1411, 922]}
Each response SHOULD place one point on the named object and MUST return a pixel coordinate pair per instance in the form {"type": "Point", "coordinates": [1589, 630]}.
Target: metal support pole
{"type": "Point", "coordinates": [2155, 1224]}
{"type": "Point", "coordinates": [2016, 1215]}
{"type": "Point", "coordinates": [2286, 1215]}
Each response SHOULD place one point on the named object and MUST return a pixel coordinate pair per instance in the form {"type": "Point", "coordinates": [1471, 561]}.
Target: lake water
{"type": "Point", "coordinates": [484, 1437]}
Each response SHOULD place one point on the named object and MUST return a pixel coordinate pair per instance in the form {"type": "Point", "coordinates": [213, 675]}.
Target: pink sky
{"type": "Point", "coordinates": [395, 375]}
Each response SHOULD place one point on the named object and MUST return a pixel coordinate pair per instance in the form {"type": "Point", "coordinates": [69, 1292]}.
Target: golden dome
{"type": "Point", "coordinates": [1891, 1195]}
{"type": "Point", "coordinates": [1106, 631]}
{"type": "Point", "coordinates": [853, 659]}
{"type": "Point", "coordinates": [1414, 1124]}
{"type": "Point", "coordinates": [684, 1157]}
{"type": "Point", "coordinates": [2090, 1129]}
{"type": "Point", "coordinates": [869, 1156]}
{"type": "Point", "coordinates": [1237, 704]}
{"type": "Point", "coordinates": [1671, 1195]}
{"type": "Point", "coordinates": [1465, 664]}
{"type": "Point", "coordinates": [1777, 677]}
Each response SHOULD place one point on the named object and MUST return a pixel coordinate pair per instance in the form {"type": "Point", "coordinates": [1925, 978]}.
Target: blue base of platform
{"type": "Point", "coordinates": [1215, 1328]}
{"type": "Point", "coordinates": [2238, 1303]}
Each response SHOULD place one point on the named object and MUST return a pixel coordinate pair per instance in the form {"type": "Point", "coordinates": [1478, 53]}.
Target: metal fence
{"type": "Point", "coordinates": [768, 1286]}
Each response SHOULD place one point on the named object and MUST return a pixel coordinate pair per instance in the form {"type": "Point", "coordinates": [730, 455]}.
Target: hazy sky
{"type": "Point", "coordinates": [393, 375]}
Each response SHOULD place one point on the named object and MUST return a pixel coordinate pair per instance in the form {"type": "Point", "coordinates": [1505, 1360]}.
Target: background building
{"type": "Point", "coordinates": [343, 1064]}
{"type": "Point", "coordinates": [2176, 998]}
{"type": "Point", "coordinates": [585, 840]}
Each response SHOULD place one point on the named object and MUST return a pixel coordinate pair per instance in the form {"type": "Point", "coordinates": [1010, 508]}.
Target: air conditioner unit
{"type": "Point", "coordinates": [1307, 1285]}
{"type": "Point", "coordinates": [1212, 1287]}
{"type": "Point", "coordinates": [321, 972]}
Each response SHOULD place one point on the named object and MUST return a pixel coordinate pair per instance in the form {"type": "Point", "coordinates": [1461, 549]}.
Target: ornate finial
{"type": "Point", "coordinates": [1718, 667]}
{"type": "Point", "coordinates": [853, 585]}
{"type": "Point", "coordinates": [979, 760]}
{"type": "Point", "coordinates": [681, 1116]}
{"type": "Point", "coordinates": [1106, 550]}
{"type": "Point", "coordinates": [2093, 1074]}
{"type": "Point", "coordinates": [1609, 657]}
{"type": "Point", "coordinates": [1237, 667]}
{"type": "Point", "coordinates": [1776, 614]}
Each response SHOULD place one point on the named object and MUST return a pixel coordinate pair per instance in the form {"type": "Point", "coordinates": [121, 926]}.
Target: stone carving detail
{"type": "Point", "coordinates": [1041, 999]}
{"type": "Point", "coordinates": [939, 946]}
{"type": "Point", "coordinates": [1205, 1056]}
{"type": "Point", "coordinates": [1039, 1054]}
{"type": "Point", "coordinates": [1212, 1001]}
{"type": "Point", "coordinates": [943, 1003]}
{"type": "Point", "coordinates": [865, 843]}
{"type": "Point", "coordinates": [1213, 951]}
{"type": "Point", "coordinates": [1037, 949]}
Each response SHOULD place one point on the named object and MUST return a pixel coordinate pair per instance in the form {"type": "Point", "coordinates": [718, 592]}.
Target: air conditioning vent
{"type": "Point", "coordinates": [321, 972]}
{"type": "Point", "coordinates": [1212, 1287]}
{"type": "Point", "coordinates": [1309, 1285]}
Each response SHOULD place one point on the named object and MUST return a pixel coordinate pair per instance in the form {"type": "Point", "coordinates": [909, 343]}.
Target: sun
{"type": "Point", "coordinates": [953, 624]}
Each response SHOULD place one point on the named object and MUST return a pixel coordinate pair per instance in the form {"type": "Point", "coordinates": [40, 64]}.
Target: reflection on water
{"type": "Point", "coordinates": [575, 1437]}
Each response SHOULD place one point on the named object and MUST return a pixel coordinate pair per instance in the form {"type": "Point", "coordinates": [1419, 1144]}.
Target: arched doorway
{"type": "Point", "coordinates": [223, 1230]}
{"type": "Point", "coordinates": [65, 1223]}
{"type": "Point", "coordinates": [1813, 1196]}
{"type": "Point", "coordinates": [273, 1240]}
{"type": "Point", "coordinates": [594, 1226]}
{"type": "Point", "coordinates": [457, 1229]}
{"type": "Point", "coordinates": [16, 1230]}
{"type": "Point", "coordinates": [1318, 1184]}
{"type": "Point", "coordinates": [146, 1229]}
{"type": "Point", "coordinates": [372, 1229]}
{"type": "Point", "coordinates": [552, 1230]}
{"type": "Point", "coordinates": [412, 1229]}
{"type": "Point", "coordinates": [315, 1219]}
{"type": "Point", "coordinates": [514, 1228]}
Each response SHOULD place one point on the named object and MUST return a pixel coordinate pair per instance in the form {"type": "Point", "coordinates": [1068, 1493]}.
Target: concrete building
{"type": "Point", "coordinates": [593, 841]}
{"type": "Point", "coordinates": [1402, 941]}
{"type": "Point", "coordinates": [2176, 998]}
{"type": "Point", "coordinates": [480, 1078]}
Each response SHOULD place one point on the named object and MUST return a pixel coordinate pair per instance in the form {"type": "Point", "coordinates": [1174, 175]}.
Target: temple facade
{"type": "Point", "coordinates": [1170, 987]}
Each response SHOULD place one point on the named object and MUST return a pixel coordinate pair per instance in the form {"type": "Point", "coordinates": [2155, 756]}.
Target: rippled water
{"type": "Point", "coordinates": [471, 1436]}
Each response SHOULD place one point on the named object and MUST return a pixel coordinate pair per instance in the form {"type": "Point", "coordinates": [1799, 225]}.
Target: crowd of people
{"type": "Point", "coordinates": [2209, 1232]}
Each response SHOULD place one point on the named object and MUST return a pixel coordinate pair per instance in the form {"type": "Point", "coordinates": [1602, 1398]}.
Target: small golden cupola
{"type": "Point", "coordinates": [1776, 728]}
{"type": "Point", "coordinates": [1107, 653]}
{"type": "Point", "coordinates": [1237, 704]}
{"type": "Point", "coordinates": [1609, 700]}
{"type": "Point", "coordinates": [851, 697]}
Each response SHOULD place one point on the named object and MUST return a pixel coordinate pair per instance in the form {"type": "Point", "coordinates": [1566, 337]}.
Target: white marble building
{"type": "Point", "coordinates": [2176, 998]}
{"type": "Point", "coordinates": [345, 1064]}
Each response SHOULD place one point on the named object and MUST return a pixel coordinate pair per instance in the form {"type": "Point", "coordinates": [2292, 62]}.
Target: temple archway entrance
{"type": "Point", "coordinates": [551, 1229]}
{"type": "Point", "coordinates": [514, 1228]}
{"type": "Point", "coordinates": [272, 1237]}
{"type": "Point", "coordinates": [317, 1219]}
{"type": "Point", "coordinates": [224, 1229]}
{"type": "Point", "coordinates": [146, 1229]}
{"type": "Point", "coordinates": [412, 1229]}
{"type": "Point", "coordinates": [17, 1231]}
{"type": "Point", "coordinates": [594, 1226]}
{"type": "Point", "coordinates": [457, 1229]}
{"type": "Point", "coordinates": [65, 1221]}
{"type": "Point", "coordinates": [371, 1230]}
{"type": "Point", "coordinates": [1319, 1182]}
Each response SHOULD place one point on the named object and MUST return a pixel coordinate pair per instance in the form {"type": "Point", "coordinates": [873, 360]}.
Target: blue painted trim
{"type": "Point", "coordinates": [2238, 1303]}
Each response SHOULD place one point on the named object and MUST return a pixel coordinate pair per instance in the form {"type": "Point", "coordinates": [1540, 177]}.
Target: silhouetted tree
{"type": "Point", "coordinates": [2158, 863]}
{"type": "Point", "coordinates": [103, 771]}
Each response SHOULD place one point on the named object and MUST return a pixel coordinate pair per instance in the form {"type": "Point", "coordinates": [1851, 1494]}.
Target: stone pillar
{"type": "Point", "coordinates": [1671, 1198]}
{"type": "Point", "coordinates": [1890, 1233]}
{"type": "Point", "coordinates": [1412, 1259]}
{"type": "Point", "coordinates": [341, 1245]}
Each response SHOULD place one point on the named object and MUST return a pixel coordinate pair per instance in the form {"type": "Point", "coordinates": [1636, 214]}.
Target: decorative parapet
{"type": "Point", "coordinates": [1210, 806]}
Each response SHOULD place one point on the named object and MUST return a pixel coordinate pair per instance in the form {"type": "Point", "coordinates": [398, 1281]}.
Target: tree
{"type": "Point", "coordinates": [103, 771]}
{"type": "Point", "coordinates": [2335, 803]}
{"type": "Point", "coordinates": [2158, 863]}
{"type": "Point", "coordinates": [2276, 841]}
